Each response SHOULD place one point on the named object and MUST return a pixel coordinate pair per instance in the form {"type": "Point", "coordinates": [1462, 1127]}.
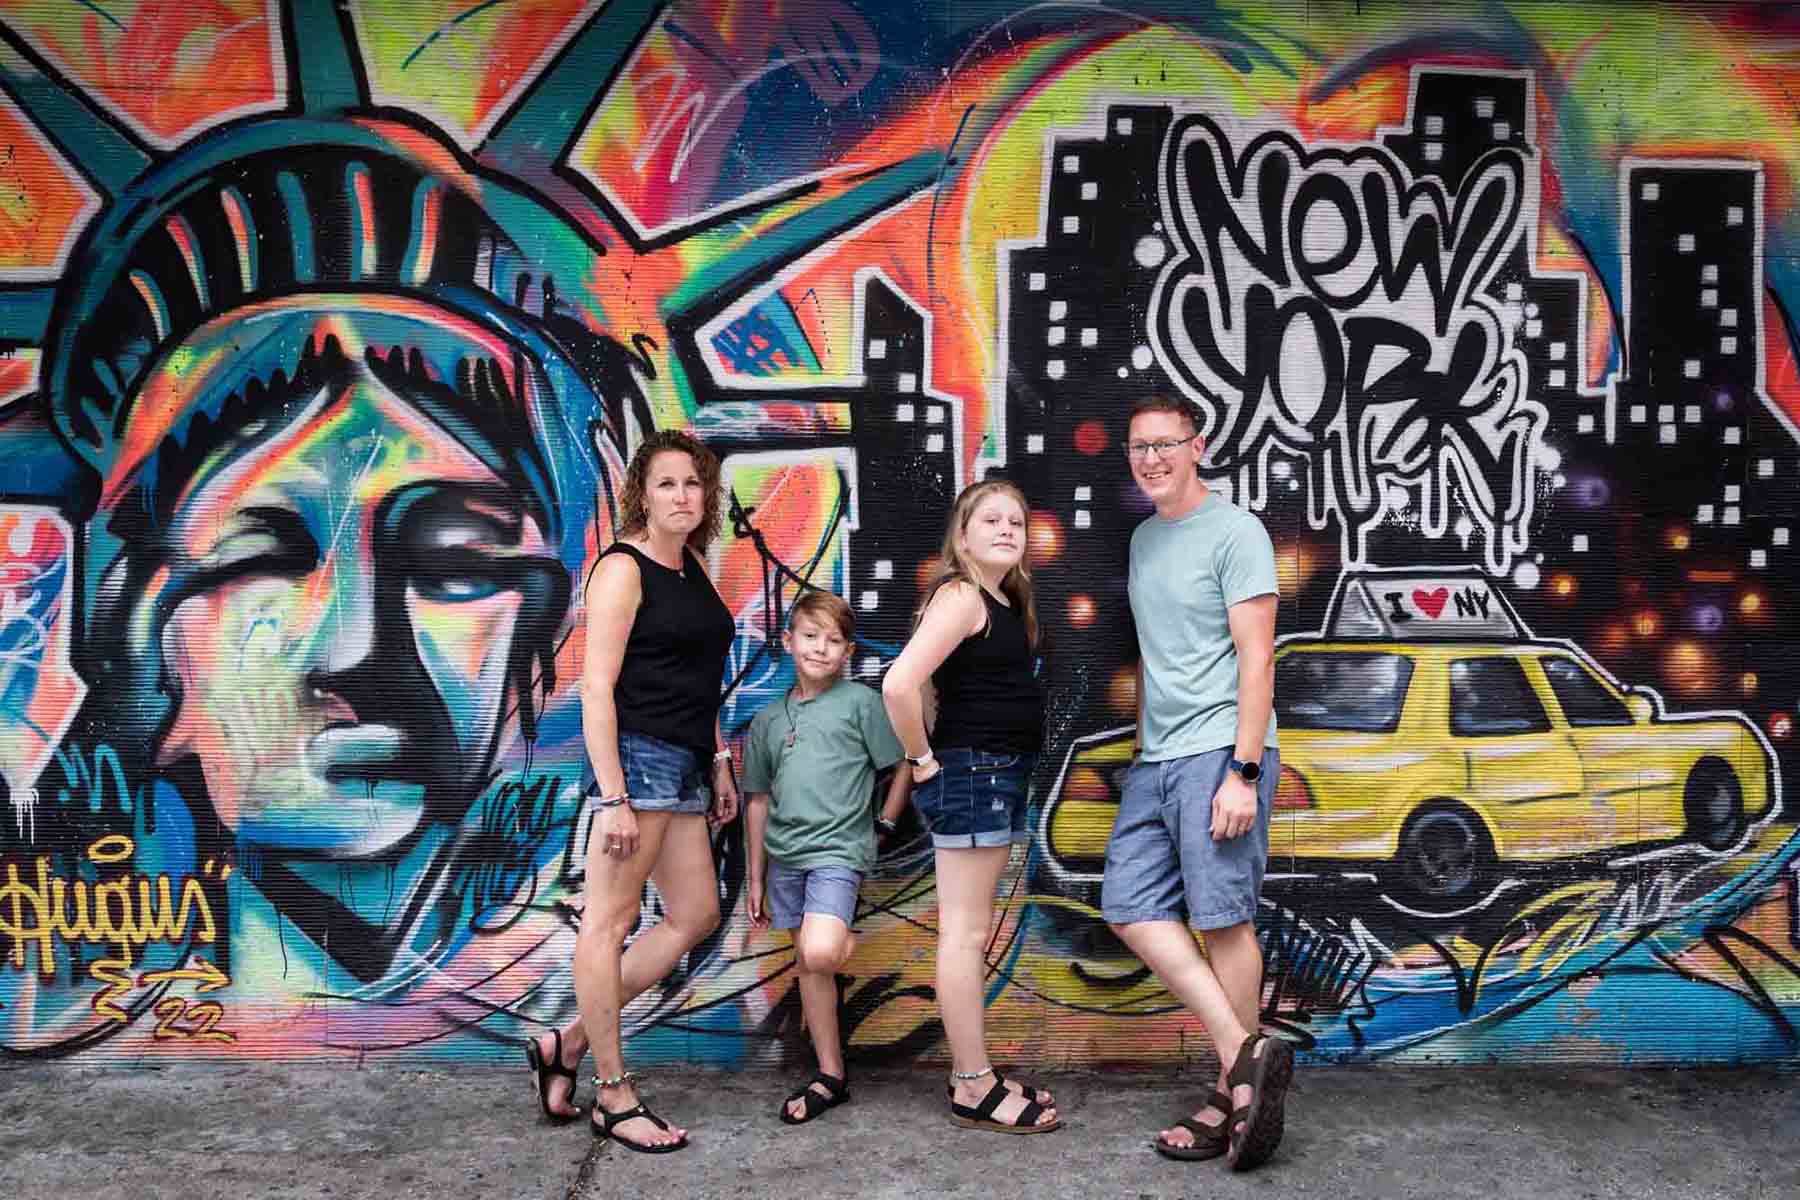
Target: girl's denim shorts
{"type": "Point", "coordinates": [977, 799]}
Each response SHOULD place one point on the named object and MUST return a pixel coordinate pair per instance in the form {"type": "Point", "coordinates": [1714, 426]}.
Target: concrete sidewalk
{"type": "Point", "coordinates": [446, 1134]}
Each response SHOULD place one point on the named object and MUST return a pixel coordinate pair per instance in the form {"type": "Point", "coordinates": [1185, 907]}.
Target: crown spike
{"type": "Point", "coordinates": [551, 113]}
{"type": "Point", "coordinates": [771, 248]}
{"type": "Point", "coordinates": [90, 139]}
{"type": "Point", "coordinates": [325, 72]}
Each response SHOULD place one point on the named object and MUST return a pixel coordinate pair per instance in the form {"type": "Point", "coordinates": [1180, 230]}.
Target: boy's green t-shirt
{"type": "Point", "coordinates": [820, 813]}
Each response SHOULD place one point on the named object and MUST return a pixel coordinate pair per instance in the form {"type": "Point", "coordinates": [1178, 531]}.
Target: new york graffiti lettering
{"type": "Point", "coordinates": [1326, 303]}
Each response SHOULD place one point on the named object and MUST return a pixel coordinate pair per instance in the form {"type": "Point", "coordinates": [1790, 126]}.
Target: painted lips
{"type": "Point", "coordinates": [358, 752]}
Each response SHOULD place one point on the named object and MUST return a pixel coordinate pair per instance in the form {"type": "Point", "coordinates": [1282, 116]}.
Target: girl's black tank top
{"type": "Point", "coordinates": [675, 657]}
{"type": "Point", "coordinates": [988, 695]}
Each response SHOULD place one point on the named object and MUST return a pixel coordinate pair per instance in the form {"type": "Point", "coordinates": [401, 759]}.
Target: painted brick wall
{"type": "Point", "coordinates": [1487, 310]}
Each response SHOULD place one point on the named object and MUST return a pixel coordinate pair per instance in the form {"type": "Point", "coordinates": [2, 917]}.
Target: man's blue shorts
{"type": "Point", "coordinates": [1162, 863]}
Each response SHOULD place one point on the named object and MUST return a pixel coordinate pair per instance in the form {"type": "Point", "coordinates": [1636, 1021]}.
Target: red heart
{"type": "Point", "coordinates": [1431, 602]}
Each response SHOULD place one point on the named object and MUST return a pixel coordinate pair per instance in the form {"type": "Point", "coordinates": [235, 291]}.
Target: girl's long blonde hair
{"type": "Point", "coordinates": [955, 565]}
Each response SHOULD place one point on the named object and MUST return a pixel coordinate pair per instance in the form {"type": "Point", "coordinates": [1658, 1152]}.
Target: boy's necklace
{"type": "Point", "coordinates": [787, 703]}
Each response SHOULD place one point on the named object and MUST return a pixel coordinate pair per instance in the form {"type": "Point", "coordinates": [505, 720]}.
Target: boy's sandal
{"type": "Point", "coordinates": [981, 1116]}
{"type": "Point", "coordinates": [1210, 1141]}
{"type": "Point", "coordinates": [548, 1069]}
{"type": "Point", "coordinates": [1256, 1128]}
{"type": "Point", "coordinates": [637, 1110]}
{"type": "Point", "coordinates": [812, 1102]}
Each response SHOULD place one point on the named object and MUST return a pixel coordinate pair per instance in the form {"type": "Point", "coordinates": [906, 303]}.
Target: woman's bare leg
{"type": "Point", "coordinates": [614, 893]}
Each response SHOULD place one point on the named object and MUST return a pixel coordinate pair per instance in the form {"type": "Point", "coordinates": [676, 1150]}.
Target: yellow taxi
{"type": "Point", "coordinates": [1429, 743]}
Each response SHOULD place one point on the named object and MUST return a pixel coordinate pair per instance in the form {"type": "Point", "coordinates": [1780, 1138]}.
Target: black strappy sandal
{"type": "Point", "coordinates": [1210, 1141]}
{"type": "Point", "coordinates": [604, 1131]}
{"type": "Point", "coordinates": [981, 1116]}
{"type": "Point", "coordinates": [1256, 1128]}
{"type": "Point", "coordinates": [814, 1104]}
{"type": "Point", "coordinates": [1027, 1089]}
{"type": "Point", "coordinates": [548, 1069]}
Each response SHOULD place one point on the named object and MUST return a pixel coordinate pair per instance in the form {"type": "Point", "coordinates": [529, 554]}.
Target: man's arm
{"type": "Point", "coordinates": [1252, 624]}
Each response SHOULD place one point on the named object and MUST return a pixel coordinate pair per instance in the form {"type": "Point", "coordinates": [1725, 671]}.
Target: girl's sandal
{"type": "Point", "coordinates": [1025, 1087]}
{"type": "Point", "coordinates": [981, 1116]}
{"type": "Point", "coordinates": [548, 1069]}
{"type": "Point", "coordinates": [1256, 1128]}
{"type": "Point", "coordinates": [813, 1104]}
{"type": "Point", "coordinates": [1210, 1141]}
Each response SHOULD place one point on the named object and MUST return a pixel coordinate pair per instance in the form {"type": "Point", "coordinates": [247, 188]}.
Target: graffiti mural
{"type": "Point", "coordinates": [328, 327]}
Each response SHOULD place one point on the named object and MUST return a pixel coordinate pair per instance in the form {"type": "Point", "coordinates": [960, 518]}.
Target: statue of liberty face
{"type": "Point", "coordinates": [344, 589]}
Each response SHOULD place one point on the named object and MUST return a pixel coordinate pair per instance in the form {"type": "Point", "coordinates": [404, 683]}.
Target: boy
{"type": "Point", "coordinates": [816, 751]}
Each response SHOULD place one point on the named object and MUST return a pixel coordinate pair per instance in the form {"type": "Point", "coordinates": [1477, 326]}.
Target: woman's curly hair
{"type": "Point", "coordinates": [633, 519]}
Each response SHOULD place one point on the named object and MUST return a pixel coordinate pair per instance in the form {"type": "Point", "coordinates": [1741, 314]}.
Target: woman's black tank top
{"type": "Point", "coordinates": [988, 696]}
{"type": "Point", "coordinates": [675, 657]}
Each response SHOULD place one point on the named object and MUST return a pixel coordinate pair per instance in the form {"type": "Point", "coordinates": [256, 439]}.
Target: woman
{"type": "Point", "coordinates": [975, 640]}
{"type": "Point", "coordinates": [657, 637]}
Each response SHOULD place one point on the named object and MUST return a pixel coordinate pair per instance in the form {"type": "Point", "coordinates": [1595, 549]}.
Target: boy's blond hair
{"type": "Point", "coordinates": [827, 608]}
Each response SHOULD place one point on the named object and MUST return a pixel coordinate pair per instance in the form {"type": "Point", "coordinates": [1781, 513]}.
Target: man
{"type": "Point", "coordinates": [1191, 840]}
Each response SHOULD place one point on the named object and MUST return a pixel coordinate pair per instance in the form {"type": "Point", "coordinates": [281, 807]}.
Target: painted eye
{"type": "Point", "coordinates": [455, 576]}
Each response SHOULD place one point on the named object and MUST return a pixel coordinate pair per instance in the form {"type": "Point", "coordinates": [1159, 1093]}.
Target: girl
{"type": "Point", "coordinates": [974, 640]}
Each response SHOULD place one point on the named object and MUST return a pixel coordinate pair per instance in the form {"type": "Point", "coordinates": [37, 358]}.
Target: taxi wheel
{"type": "Point", "coordinates": [1714, 802]}
{"type": "Point", "coordinates": [1445, 857]}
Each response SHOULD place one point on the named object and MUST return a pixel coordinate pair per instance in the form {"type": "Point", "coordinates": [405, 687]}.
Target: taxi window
{"type": "Point", "coordinates": [1491, 696]}
{"type": "Point", "coordinates": [1584, 699]}
{"type": "Point", "coordinates": [1360, 692]}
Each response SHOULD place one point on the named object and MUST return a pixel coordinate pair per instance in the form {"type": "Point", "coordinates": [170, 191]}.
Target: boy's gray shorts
{"type": "Point", "coordinates": [1162, 863]}
{"type": "Point", "coordinates": [795, 892]}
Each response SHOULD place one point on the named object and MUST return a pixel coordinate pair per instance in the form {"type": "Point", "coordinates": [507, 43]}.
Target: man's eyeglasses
{"type": "Point", "coordinates": [1163, 447]}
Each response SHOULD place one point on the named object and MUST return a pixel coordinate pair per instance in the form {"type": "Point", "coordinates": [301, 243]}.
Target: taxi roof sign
{"type": "Point", "coordinates": [1421, 605]}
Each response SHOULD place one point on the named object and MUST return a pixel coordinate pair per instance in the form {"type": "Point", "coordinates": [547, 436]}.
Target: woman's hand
{"type": "Point", "coordinates": [921, 774]}
{"type": "Point", "coordinates": [618, 830]}
{"type": "Point", "coordinates": [725, 796]}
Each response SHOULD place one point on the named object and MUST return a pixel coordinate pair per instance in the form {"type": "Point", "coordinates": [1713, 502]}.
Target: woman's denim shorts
{"type": "Point", "coordinates": [661, 776]}
{"type": "Point", "coordinates": [977, 799]}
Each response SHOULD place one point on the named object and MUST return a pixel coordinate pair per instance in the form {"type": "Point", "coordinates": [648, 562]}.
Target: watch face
{"type": "Point", "coordinates": [1249, 770]}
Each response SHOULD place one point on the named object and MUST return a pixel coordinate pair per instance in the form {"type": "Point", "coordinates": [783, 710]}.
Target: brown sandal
{"type": "Point", "coordinates": [1210, 1141]}
{"type": "Point", "coordinates": [1256, 1128]}
{"type": "Point", "coordinates": [981, 1116]}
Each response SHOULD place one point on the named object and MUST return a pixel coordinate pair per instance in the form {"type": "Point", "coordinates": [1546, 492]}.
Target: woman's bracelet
{"type": "Point", "coordinates": [611, 801]}
{"type": "Point", "coordinates": [722, 756]}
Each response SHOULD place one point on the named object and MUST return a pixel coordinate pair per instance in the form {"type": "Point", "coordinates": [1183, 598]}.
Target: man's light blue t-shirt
{"type": "Point", "coordinates": [1185, 575]}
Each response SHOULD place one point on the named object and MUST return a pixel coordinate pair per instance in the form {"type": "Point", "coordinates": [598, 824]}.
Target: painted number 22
{"type": "Point", "coordinates": [203, 1015]}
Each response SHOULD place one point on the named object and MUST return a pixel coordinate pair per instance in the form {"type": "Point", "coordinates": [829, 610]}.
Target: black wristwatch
{"type": "Point", "coordinates": [1250, 770]}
